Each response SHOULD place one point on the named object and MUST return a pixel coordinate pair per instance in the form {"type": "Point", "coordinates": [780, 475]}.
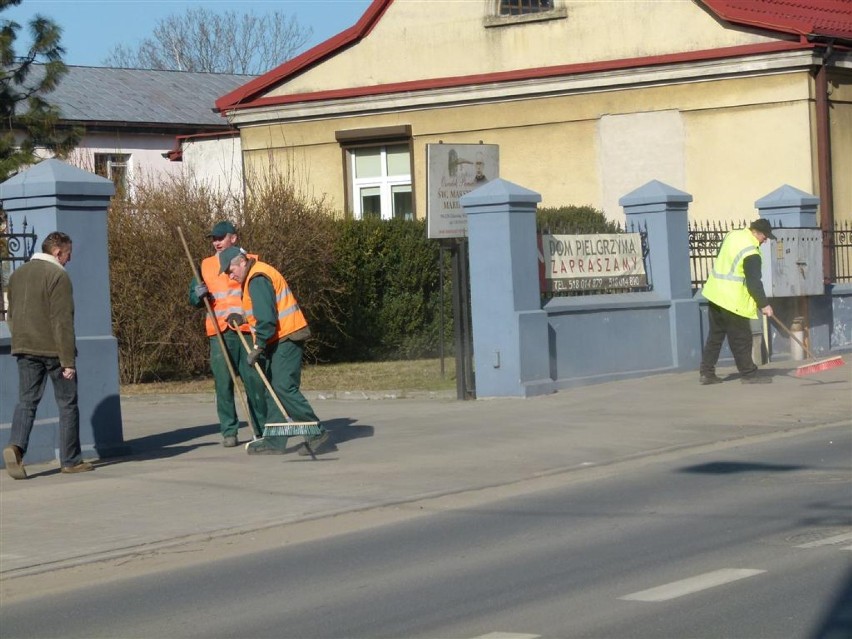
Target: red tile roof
{"type": "Point", "coordinates": [828, 18]}
{"type": "Point", "coordinates": [309, 58]}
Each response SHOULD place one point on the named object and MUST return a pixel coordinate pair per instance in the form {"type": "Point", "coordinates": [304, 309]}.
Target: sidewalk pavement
{"type": "Point", "coordinates": [179, 483]}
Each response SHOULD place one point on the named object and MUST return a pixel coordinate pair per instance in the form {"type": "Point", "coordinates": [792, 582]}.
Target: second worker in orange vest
{"type": "Point", "coordinates": [279, 329]}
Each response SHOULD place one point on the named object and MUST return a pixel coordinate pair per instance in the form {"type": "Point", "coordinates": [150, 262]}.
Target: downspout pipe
{"type": "Point", "coordinates": [824, 166]}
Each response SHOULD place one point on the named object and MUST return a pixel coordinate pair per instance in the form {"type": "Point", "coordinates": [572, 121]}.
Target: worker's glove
{"type": "Point", "coordinates": [254, 355]}
{"type": "Point", "coordinates": [235, 319]}
{"type": "Point", "coordinates": [201, 291]}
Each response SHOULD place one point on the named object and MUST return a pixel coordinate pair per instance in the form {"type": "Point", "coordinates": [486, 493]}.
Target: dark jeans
{"type": "Point", "coordinates": [737, 329]}
{"type": "Point", "coordinates": [32, 377]}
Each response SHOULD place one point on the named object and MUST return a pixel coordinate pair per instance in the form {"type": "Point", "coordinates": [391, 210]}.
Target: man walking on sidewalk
{"type": "Point", "coordinates": [41, 320]}
{"type": "Point", "coordinates": [734, 292]}
{"type": "Point", "coordinates": [224, 296]}
{"type": "Point", "coordinates": [279, 329]}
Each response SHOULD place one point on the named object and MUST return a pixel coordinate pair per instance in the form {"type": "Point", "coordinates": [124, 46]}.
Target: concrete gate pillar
{"type": "Point", "coordinates": [55, 196]}
{"type": "Point", "coordinates": [510, 330]}
{"type": "Point", "coordinates": [663, 211]}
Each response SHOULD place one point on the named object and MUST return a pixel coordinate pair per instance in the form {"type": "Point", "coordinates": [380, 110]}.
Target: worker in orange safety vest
{"type": "Point", "coordinates": [224, 296]}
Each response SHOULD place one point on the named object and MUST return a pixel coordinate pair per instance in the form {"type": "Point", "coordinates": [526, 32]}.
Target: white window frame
{"type": "Point", "coordinates": [384, 182]}
{"type": "Point", "coordinates": [115, 160]}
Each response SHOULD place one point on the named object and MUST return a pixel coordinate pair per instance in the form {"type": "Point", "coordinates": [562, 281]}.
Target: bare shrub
{"type": "Point", "coordinates": [160, 336]}
{"type": "Point", "coordinates": [296, 234]}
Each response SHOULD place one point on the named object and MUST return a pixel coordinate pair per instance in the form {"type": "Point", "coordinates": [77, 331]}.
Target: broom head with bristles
{"type": "Point", "coordinates": [293, 429]}
{"type": "Point", "coordinates": [818, 367]}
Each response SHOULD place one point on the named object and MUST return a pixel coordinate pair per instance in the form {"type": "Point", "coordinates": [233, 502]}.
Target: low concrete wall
{"type": "Point", "coordinates": [613, 338]}
{"type": "Point", "coordinates": [523, 348]}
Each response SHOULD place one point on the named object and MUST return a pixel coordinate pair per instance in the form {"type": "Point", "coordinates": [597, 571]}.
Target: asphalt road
{"type": "Point", "coordinates": [753, 541]}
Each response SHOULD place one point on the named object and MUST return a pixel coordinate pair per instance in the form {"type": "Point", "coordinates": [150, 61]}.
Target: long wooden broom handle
{"type": "Point", "coordinates": [221, 339]}
{"type": "Point", "coordinates": [793, 336]}
{"type": "Point", "coordinates": [263, 376]}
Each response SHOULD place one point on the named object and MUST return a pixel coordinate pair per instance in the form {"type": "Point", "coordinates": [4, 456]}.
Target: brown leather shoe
{"type": "Point", "coordinates": [79, 467]}
{"type": "Point", "coordinates": [13, 458]}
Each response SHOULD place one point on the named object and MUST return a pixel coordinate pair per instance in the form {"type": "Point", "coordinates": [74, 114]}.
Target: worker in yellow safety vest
{"type": "Point", "coordinates": [734, 292]}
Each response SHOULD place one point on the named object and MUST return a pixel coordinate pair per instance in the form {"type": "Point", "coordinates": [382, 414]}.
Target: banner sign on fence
{"type": "Point", "coordinates": [452, 171]}
{"type": "Point", "coordinates": [591, 262]}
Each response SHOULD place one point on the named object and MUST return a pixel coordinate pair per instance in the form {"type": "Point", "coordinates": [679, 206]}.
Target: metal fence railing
{"type": "Point", "coordinates": [705, 238]}
{"type": "Point", "coordinates": [15, 249]}
{"type": "Point", "coordinates": [840, 245]}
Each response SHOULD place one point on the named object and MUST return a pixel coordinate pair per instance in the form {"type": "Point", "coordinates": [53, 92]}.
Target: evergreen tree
{"type": "Point", "coordinates": [29, 121]}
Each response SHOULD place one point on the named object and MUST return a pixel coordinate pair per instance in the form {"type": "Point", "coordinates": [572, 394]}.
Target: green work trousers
{"type": "Point", "coordinates": [283, 367]}
{"type": "Point", "coordinates": [225, 407]}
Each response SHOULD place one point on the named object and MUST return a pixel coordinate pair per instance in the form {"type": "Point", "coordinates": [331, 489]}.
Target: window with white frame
{"type": "Point", "coordinates": [381, 182]}
{"type": "Point", "coordinates": [115, 167]}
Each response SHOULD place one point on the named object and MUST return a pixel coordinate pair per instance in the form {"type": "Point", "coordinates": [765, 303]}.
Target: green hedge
{"type": "Point", "coordinates": [573, 220]}
{"type": "Point", "coordinates": [389, 273]}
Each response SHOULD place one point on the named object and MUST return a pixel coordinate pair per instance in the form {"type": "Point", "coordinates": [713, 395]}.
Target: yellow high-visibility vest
{"type": "Point", "coordinates": [726, 285]}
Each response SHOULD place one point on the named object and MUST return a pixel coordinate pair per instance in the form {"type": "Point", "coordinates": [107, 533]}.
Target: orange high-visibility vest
{"type": "Point", "coordinates": [227, 295]}
{"type": "Point", "coordinates": [290, 317]}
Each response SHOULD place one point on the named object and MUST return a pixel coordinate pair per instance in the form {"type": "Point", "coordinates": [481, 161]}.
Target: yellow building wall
{"type": "Point", "coordinates": [742, 154]}
{"type": "Point", "coordinates": [727, 142]}
{"type": "Point", "coordinates": [841, 147]}
{"type": "Point", "coordinates": [416, 40]}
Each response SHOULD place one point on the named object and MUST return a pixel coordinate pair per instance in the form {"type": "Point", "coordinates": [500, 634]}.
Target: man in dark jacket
{"type": "Point", "coordinates": [41, 320]}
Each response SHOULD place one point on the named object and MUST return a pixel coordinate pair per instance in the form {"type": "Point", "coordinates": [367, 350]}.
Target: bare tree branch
{"type": "Point", "coordinates": [204, 41]}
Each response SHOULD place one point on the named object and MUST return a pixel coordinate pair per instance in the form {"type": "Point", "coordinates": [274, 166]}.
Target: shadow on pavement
{"type": "Point", "coordinates": [729, 467]}
{"type": "Point", "coordinates": [837, 621]}
{"type": "Point", "coordinates": [345, 429]}
{"type": "Point", "coordinates": [829, 515]}
{"type": "Point", "coordinates": [164, 445]}
{"type": "Point", "coordinates": [167, 444]}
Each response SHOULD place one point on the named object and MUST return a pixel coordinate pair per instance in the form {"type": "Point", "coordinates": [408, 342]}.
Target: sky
{"type": "Point", "coordinates": [91, 28]}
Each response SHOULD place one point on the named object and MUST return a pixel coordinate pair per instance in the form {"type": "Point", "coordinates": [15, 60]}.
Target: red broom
{"type": "Point", "coordinates": [816, 367]}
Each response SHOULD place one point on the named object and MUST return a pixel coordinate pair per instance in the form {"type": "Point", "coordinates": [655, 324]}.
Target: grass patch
{"type": "Point", "coordinates": [408, 375]}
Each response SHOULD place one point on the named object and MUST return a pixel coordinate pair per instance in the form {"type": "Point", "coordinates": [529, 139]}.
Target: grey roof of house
{"type": "Point", "coordinates": [141, 96]}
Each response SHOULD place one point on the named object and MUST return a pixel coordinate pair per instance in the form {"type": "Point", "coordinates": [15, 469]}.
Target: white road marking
{"type": "Point", "coordinates": [691, 585]}
{"type": "Point", "coordinates": [506, 635]}
{"type": "Point", "coordinates": [828, 541]}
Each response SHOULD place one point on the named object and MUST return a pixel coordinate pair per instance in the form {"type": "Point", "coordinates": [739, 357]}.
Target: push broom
{"type": "Point", "coordinates": [252, 426]}
{"type": "Point", "coordinates": [816, 367]}
{"type": "Point", "coordinates": [290, 428]}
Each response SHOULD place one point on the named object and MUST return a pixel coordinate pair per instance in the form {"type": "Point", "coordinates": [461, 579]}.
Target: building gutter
{"type": "Point", "coordinates": [175, 154]}
{"type": "Point", "coordinates": [824, 164]}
